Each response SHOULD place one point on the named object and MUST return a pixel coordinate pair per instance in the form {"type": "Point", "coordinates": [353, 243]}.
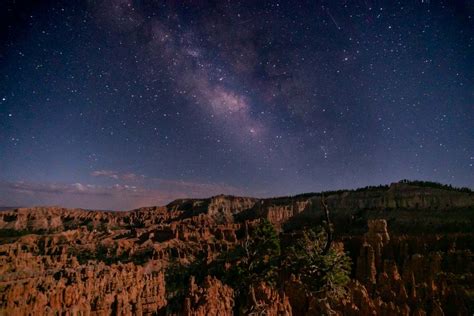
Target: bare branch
{"type": "Point", "coordinates": [328, 227]}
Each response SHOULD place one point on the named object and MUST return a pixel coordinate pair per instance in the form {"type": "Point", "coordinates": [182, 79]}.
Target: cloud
{"type": "Point", "coordinates": [117, 175]}
{"type": "Point", "coordinates": [189, 188]}
{"type": "Point", "coordinates": [30, 188]}
{"type": "Point", "coordinates": [116, 196]}
{"type": "Point", "coordinates": [105, 173]}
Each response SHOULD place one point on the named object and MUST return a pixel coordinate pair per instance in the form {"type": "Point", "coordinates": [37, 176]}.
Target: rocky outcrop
{"type": "Point", "coordinates": [224, 209]}
{"type": "Point", "coordinates": [212, 298]}
{"type": "Point", "coordinates": [401, 275]}
{"type": "Point", "coordinates": [56, 219]}
{"type": "Point", "coordinates": [405, 274]}
{"type": "Point", "coordinates": [370, 254]}
{"type": "Point", "coordinates": [91, 290]}
{"type": "Point", "coordinates": [60, 261]}
{"type": "Point", "coordinates": [279, 213]}
{"type": "Point", "coordinates": [270, 302]}
{"type": "Point", "coordinates": [397, 196]}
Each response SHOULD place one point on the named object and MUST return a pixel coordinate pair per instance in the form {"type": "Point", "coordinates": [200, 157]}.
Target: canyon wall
{"type": "Point", "coordinates": [82, 262]}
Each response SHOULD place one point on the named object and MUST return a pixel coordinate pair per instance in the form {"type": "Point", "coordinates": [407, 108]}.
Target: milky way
{"type": "Point", "coordinates": [120, 103]}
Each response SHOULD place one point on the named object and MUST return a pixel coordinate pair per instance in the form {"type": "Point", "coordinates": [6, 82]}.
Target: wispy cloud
{"type": "Point", "coordinates": [116, 196]}
{"type": "Point", "coordinates": [105, 173]}
{"type": "Point", "coordinates": [190, 188]}
{"type": "Point", "coordinates": [117, 175]}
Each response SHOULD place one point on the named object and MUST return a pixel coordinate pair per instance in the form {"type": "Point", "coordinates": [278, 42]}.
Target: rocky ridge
{"type": "Point", "coordinates": [102, 263]}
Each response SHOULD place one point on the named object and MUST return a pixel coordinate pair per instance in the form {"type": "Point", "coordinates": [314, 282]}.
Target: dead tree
{"type": "Point", "coordinates": [328, 226]}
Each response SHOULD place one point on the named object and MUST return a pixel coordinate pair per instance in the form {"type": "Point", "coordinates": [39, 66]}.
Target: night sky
{"type": "Point", "coordinates": [118, 104]}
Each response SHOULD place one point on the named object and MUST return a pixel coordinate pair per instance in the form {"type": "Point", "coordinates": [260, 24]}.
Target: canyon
{"type": "Point", "coordinates": [410, 243]}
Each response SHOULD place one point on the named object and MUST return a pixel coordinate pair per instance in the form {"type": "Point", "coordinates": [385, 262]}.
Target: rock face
{"type": "Point", "coordinates": [399, 196]}
{"type": "Point", "coordinates": [406, 276]}
{"type": "Point", "coordinates": [90, 290]}
{"type": "Point", "coordinates": [402, 275]}
{"type": "Point", "coordinates": [80, 262]}
{"type": "Point", "coordinates": [370, 258]}
{"type": "Point", "coordinates": [212, 298]}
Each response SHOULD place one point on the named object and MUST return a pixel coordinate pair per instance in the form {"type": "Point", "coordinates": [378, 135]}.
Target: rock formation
{"type": "Point", "coordinates": [212, 298]}
{"type": "Point", "coordinates": [82, 262]}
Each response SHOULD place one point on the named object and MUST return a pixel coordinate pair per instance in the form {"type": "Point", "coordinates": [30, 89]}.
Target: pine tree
{"type": "Point", "coordinates": [322, 272]}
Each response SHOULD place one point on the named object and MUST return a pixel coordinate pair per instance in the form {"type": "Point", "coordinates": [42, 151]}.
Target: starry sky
{"type": "Point", "coordinates": [116, 104]}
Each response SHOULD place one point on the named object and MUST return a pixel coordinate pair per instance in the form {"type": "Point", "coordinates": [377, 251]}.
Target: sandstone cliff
{"type": "Point", "coordinates": [82, 262]}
